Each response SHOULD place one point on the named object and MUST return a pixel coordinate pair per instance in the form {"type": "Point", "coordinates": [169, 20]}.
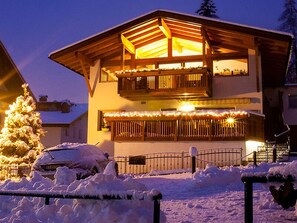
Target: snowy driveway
{"type": "Point", "coordinates": [184, 201]}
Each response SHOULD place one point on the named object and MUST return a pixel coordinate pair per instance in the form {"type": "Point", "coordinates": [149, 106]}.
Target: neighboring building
{"type": "Point", "coordinates": [288, 100]}
{"type": "Point", "coordinates": [280, 104]}
{"type": "Point", "coordinates": [11, 82]}
{"type": "Point", "coordinates": [166, 81]}
{"type": "Point", "coordinates": [62, 121]}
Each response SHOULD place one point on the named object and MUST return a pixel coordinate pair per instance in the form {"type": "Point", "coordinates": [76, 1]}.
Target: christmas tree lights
{"type": "Point", "coordinates": [20, 136]}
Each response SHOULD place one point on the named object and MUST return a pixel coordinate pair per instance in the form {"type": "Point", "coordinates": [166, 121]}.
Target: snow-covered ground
{"type": "Point", "coordinates": [210, 195]}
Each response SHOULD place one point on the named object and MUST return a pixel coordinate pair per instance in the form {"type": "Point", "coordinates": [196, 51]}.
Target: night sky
{"type": "Point", "coordinates": [31, 29]}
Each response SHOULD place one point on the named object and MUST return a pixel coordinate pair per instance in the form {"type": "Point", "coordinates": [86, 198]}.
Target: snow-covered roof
{"type": "Point", "coordinates": [59, 118]}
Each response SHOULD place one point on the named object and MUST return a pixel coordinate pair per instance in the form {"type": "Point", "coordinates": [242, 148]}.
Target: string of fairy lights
{"type": "Point", "coordinates": [217, 114]}
{"type": "Point", "coordinates": [156, 69]}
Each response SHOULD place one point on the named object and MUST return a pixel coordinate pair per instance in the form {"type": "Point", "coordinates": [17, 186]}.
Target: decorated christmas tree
{"type": "Point", "coordinates": [20, 136]}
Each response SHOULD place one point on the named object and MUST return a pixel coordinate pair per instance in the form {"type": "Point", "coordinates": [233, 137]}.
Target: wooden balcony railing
{"type": "Point", "coordinates": [185, 128]}
{"type": "Point", "coordinates": [169, 84]}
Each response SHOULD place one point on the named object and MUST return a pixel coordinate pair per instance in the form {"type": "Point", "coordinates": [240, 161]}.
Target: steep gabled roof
{"type": "Point", "coordinates": [222, 36]}
{"type": "Point", "coordinates": [11, 80]}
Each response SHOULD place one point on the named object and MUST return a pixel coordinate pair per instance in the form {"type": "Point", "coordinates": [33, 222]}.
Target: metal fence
{"type": "Point", "coordinates": [178, 160]}
{"type": "Point", "coordinates": [156, 162]}
{"type": "Point", "coordinates": [135, 195]}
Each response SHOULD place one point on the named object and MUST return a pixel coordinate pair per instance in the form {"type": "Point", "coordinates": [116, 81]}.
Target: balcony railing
{"type": "Point", "coordinates": [185, 128]}
{"type": "Point", "coordinates": [169, 84]}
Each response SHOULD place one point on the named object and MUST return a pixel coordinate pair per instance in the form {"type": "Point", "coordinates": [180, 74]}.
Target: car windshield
{"type": "Point", "coordinates": [62, 154]}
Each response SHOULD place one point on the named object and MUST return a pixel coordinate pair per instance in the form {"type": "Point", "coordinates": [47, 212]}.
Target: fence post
{"type": "Point", "coordinates": [248, 201]}
{"type": "Point", "coordinates": [193, 153]}
{"type": "Point", "coordinates": [157, 199]}
{"type": "Point", "coordinates": [125, 165]}
{"type": "Point", "coordinates": [182, 160]}
{"type": "Point", "coordinates": [255, 158]}
{"type": "Point", "coordinates": [274, 153]}
{"type": "Point", "coordinates": [241, 161]}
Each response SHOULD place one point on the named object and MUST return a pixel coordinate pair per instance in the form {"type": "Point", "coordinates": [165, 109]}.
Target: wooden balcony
{"type": "Point", "coordinates": [186, 127]}
{"type": "Point", "coordinates": [165, 84]}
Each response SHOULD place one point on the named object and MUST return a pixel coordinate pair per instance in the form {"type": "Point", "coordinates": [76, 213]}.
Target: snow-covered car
{"type": "Point", "coordinates": [85, 159]}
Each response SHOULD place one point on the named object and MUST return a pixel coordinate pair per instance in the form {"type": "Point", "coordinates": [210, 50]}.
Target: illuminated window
{"type": "Point", "coordinates": [230, 67]}
{"type": "Point", "coordinates": [107, 75]}
{"type": "Point", "coordinates": [170, 66]}
{"type": "Point", "coordinates": [193, 64]}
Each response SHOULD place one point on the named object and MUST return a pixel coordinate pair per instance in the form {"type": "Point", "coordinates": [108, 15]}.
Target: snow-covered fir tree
{"type": "Point", "coordinates": [20, 136]}
{"type": "Point", "coordinates": [208, 9]}
{"type": "Point", "coordinates": [288, 20]}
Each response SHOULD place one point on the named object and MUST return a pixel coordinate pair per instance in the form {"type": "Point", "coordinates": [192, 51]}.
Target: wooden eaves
{"type": "Point", "coordinates": [110, 46]}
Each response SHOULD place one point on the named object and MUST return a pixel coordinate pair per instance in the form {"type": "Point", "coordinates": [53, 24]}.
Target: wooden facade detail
{"type": "Point", "coordinates": [186, 128]}
{"type": "Point", "coordinates": [165, 84]}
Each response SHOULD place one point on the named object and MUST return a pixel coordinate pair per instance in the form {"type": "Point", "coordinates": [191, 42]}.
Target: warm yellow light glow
{"type": "Point", "coordinates": [183, 47]}
{"type": "Point", "coordinates": [252, 146]}
{"type": "Point", "coordinates": [195, 114]}
{"type": "Point", "coordinates": [162, 67]}
{"type": "Point", "coordinates": [186, 107]}
{"type": "Point", "coordinates": [230, 120]}
{"type": "Point", "coordinates": [155, 49]}
{"type": "Point", "coordinates": [159, 48]}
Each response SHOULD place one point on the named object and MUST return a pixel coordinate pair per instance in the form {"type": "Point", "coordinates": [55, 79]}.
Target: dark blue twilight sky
{"type": "Point", "coordinates": [31, 29]}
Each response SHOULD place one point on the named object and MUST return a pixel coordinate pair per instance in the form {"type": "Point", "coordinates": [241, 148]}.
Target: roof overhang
{"type": "Point", "coordinates": [11, 80]}
{"type": "Point", "coordinates": [274, 47]}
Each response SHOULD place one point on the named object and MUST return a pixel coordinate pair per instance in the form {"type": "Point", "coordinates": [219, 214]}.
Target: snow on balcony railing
{"type": "Point", "coordinates": [202, 114]}
{"type": "Point", "coordinates": [160, 70]}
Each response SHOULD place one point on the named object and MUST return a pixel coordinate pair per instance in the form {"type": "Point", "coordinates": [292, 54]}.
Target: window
{"type": "Point", "coordinates": [230, 67]}
{"type": "Point", "coordinates": [102, 124]}
{"type": "Point", "coordinates": [193, 64]}
{"type": "Point", "coordinates": [292, 101]}
{"type": "Point", "coordinates": [107, 74]}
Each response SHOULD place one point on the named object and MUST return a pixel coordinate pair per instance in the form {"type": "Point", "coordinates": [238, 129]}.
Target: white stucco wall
{"type": "Point", "coordinates": [142, 148]}
{"type": "Point", "coordinates": [139, 148]}
{"type": "Point", "coordinates": [242, 86]}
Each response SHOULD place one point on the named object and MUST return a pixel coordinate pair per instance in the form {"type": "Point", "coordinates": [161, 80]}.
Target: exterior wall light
{"type": "Point", "coordinates": [186, 107]}
{"type": "Point", "coordinates": [230, 120]}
